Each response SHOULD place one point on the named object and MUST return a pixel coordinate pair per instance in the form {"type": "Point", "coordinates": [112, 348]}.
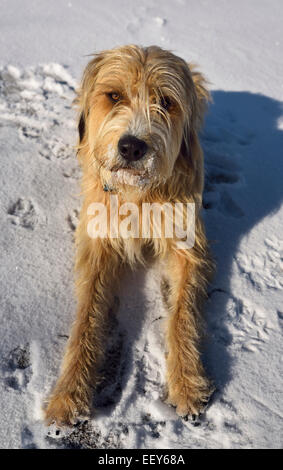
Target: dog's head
{"type": "Point", "coordinates": [139, 109]}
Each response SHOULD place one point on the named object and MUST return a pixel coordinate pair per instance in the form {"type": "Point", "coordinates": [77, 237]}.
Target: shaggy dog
{"type": "Point", "coordinates": [140, 110]}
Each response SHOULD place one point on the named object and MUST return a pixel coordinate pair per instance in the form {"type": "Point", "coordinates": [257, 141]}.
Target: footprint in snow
{"type": "Point", "coordinates": [27, 438]}
{"type": "Point", "coordinates": [17, 368]}
{"type": "Point", "coordinates": [73, 219]}
{"type": "Point", "coordinates": [221, 174]}
{"type": "Point", "coordinates": [23, 213]}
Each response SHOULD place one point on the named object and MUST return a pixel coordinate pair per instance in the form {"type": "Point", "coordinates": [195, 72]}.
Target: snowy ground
{"type": "Point", "coordinates": [43, 48]}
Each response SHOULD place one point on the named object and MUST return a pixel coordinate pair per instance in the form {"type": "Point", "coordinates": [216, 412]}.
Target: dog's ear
{"type": "Point", "coordinates": [203, 96]}
{"type": "Point", "coordinates": [81, 127]}
{"type": "Point", "coordinates": [200, 97]}
{"type": "Point", "coordinates": [190, 149]}
{"type": "Point", "coordinates": [82, 101]}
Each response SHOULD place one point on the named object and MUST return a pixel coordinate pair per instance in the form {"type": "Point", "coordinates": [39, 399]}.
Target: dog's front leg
{"type": "Point", "coordinates": [188, 387]}
{"type": "Point", "coordinates": [72, 393]}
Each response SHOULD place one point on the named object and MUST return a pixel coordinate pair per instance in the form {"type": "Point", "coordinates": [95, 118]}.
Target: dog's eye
{"type": "Point", "coordinates": [114, 97]}
{"type": "Point", "coordinates": [165, 102]}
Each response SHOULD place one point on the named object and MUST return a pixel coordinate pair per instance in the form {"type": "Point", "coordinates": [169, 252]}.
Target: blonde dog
{"type": "Point", "coordinates": [140, 110]}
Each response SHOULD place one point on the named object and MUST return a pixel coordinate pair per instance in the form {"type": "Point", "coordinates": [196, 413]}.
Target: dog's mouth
{"type": "Point", "coordinates": [130, 176]}
{"type": "Point", "coordinates": [137, 175]}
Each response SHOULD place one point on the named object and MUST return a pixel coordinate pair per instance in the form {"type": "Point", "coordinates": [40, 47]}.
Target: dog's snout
{"type": "Point", "coordinates": [131, 148]}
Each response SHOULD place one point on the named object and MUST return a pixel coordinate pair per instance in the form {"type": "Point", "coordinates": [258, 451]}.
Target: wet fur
{"type": "Point", "coordinates": [142, 76]}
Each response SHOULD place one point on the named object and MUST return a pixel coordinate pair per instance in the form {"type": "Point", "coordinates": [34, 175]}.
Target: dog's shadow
{"type": "Point", "coordinates": [123, 361]}
{"type": "Point", "coordinates": [242, 143]}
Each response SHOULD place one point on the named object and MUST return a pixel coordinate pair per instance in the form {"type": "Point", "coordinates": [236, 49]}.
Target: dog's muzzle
{"type": "Point", "coordinates": [131, 148]}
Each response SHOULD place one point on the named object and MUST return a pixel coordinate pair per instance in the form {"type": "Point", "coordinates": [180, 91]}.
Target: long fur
{"type": "Point", "coordinates": [144, 78]}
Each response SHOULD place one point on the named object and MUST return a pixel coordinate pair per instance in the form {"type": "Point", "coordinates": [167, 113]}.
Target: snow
{"type": "Point", "coordinates": [238, 45]}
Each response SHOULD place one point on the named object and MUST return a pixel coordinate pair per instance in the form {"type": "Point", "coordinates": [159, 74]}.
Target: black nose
{"type": "Point", "coordinates": [131, 148]}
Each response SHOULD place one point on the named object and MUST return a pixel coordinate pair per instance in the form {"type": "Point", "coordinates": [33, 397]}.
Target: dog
{"type": "Point", "coordinates": [140, 111]}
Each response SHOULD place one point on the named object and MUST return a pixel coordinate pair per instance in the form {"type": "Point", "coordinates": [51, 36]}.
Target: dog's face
{"type": "Point", "coordinates": [138, 106]}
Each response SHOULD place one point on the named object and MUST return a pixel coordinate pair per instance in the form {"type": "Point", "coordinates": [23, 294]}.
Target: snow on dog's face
{"type": "Point", "coordinates": [137, 107]}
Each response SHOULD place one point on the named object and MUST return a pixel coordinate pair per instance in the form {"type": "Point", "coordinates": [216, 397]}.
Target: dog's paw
{"type": "Point", "coordinates": [189, 401]}
{"type": "Point", "coordinates": [62, 410]}
{"type": "Point", "coordinates": [185, 406]}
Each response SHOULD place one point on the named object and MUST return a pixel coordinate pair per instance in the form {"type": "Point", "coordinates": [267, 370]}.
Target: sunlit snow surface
{"type": "Point", "coordinates": [237, 45]}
